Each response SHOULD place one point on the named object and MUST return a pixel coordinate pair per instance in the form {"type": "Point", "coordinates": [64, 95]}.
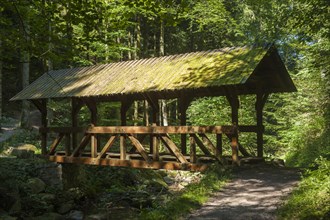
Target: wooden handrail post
{"type": "Point", "coordinates": [192, 149]}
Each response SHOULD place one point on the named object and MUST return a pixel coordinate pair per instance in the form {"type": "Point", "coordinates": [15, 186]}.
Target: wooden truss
{"type": "Point", "coordinates": [142, 156]}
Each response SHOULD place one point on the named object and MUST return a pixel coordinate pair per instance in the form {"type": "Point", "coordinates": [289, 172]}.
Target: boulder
{"type": "Point", "coordinates": [47, 197]}
{"type": "Point", "coordinates": [22, 151]}
{"type": "Point", "coordinates": [98, 216]}
{"type": "Point", "coordinates": [35, 185]}
{"type": "Point", "coordinates": [66, 207]}
{"type": "Point", "coordinates": [49, 216]}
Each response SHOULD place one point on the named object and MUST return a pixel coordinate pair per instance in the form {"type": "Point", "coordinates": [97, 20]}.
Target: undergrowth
{"type": "Point", "coordinates": [311, 200]}
{"type": "Point", "coordinates": [191, 198]}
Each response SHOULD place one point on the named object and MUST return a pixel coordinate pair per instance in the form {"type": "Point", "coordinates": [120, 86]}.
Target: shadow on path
{"type": "Point", "coordinates": [255, 192]}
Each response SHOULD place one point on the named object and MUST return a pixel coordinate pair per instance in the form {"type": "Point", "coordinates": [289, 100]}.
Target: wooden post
{"type": "Point", "coordinates": [92, 106]}
{"type": "Point", "coordinates": [234, 103]}
{"type": "Point", "coordinates": [183, 106]}
{"type": "Point", "coordinates": [192, 149]}
{"type": "Point", "coordinates": [219, 144]}
{"type": "Point", "coordinates": [154, 141]}
{"type": "Point", "coordinates": [42, 107]}
{"type": "Point", "coordinates": [76, 105]}
{"type": "Point", "coordinates": [260, 103]}
{"type": "Point", "coordinates": [67, 145]}
{"type": "Point", "coordinates": [125, 104]}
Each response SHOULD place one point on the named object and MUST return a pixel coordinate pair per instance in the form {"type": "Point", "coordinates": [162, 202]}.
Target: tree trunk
{"type": "Point", "coordinates": [137, 41]}
{"type": "Point", "coordinates": [136, 113]}
{"type": "Point", "coordinates": [25, 82]}
{"type": "Point", "coordinates": [161, 39]}
{"type": "Point", "coordinates": [0, 79]}
{"type": "Point", "coordinates": [163, 108]}
{"type": "Point", "coordinates": [146, 113]}
{"type": "Point", "coordinates": [25, 60]}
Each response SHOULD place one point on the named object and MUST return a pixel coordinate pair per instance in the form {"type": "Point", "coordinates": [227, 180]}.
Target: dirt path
{"type": "Point", "coordinates": [254, 193]}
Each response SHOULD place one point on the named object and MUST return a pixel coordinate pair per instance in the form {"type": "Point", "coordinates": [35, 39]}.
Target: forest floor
{"type": "Point", "coordinates": [255, 192]}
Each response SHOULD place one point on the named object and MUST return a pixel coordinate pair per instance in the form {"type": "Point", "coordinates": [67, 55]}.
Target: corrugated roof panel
{"type": "Point", "coordinates": [227, 66]}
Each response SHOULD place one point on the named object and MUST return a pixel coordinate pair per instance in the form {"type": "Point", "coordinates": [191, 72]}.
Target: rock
{"type": "Point", "coordinates": [66, 207]}
{"type": "Point", "coordinates": [47, 197]}
{"type": "Point", "coordinates": [168, 180]}
{"type": "Point", "coordinates": [99, 216]}
{"type": "Point", "coordinates": [278, 162]}
{"type": "Point", "coordinates": [49, 216]}
{"type": "Point", "coordinates": [75, 215]}
{"type": "Point", "coordinates": [23, 151]}
{"type": "Point", "coordinates": [35, 185]}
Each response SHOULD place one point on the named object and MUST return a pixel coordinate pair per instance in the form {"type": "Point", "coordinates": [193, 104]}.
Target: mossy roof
{"type": "Point", "coordinates": [243, 68]}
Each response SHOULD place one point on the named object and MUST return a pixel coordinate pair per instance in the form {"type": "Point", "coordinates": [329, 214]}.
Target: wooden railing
{"type": "Point", "coordinates": [139, 155]}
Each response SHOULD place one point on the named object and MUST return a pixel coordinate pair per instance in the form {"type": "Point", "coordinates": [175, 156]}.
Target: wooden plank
{"type": "Point", "coordinates": [82, 145]}
{"type": "Point", "coordinates": [107, 146]}
{"type": "Point", "coordinates": [139, 147]}
{"type": "Point", "coordinates": [201, 145]}
{"type": "Point", "coordinates": [161, 129]}
{"type": "Point", "coordinates": [208, 143]}
{"type": "Point", "coordinates": [55, 143]}
{"type": "Point", "coordinates": [193, 157]}
{"type": "Point", "coordinates": [130, 163]}
{"type": "Point", "coordinates": [173, 148]}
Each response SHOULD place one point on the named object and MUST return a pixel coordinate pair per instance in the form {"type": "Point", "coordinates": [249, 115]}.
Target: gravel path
{"type": "Point", "coordinates": [254, 193]}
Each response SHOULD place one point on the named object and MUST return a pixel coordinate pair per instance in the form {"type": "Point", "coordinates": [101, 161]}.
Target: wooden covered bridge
{"type": "Point", "coordinates": [228, 72]}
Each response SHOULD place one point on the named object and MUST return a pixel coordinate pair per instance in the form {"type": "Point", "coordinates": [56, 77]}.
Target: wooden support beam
{"type": "Point", "coordinates": [201, 145]}
{"type": "Point", "coordinates": [139, 147]}
{"type": "Point", "coordinates": [161, 129]}
{"type": "Point", "coordinates": [81, 146]}
{"type": "Point", "coordinates": [76, 105]}
{"type": "Point", "coordinates": [210, 146]}
{"type": "Point", "coordinates": [42, 107]}
{"type": "Point", "coordinates": [234, 149]}
{"type": "Point", "coordinates": [219, 143]}
{"type": "Point", "coordinates": [260, 103]}
{"type": "Point", "coordinates": [55, 143]}
{"type": "Point", "coordinates": [67, 144]}
{"type": "Point", "coordinates": [130, 163]}
{"type": "Point", "coordinates": [123, 147]}
{"type": "Point", "coordinates": [92, 106]}
{"type": "Point", "coordinates": [153, 102]}
{"type": "Point", "coordinates": [173, 148]}
{"type": "Point", "coordinates": [184, 103]}
{"type": "Point", "coordinates": [193, 158]}
{"type": "Point", "coordinates": [234, 104]}
{"type": "Point", "coordinates": [155, 150]}
{"type": "Point", "coordinates": [107, 146]}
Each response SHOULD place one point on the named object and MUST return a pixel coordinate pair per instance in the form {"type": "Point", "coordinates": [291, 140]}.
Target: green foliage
{"type": "Point", "coordinates": [191, 198]}
{"type": "Point", "coordinates": [312, 198]}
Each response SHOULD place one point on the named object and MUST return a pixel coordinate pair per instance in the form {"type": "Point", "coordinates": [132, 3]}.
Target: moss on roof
{"type": "Point", "coordinates": [228, 66]}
